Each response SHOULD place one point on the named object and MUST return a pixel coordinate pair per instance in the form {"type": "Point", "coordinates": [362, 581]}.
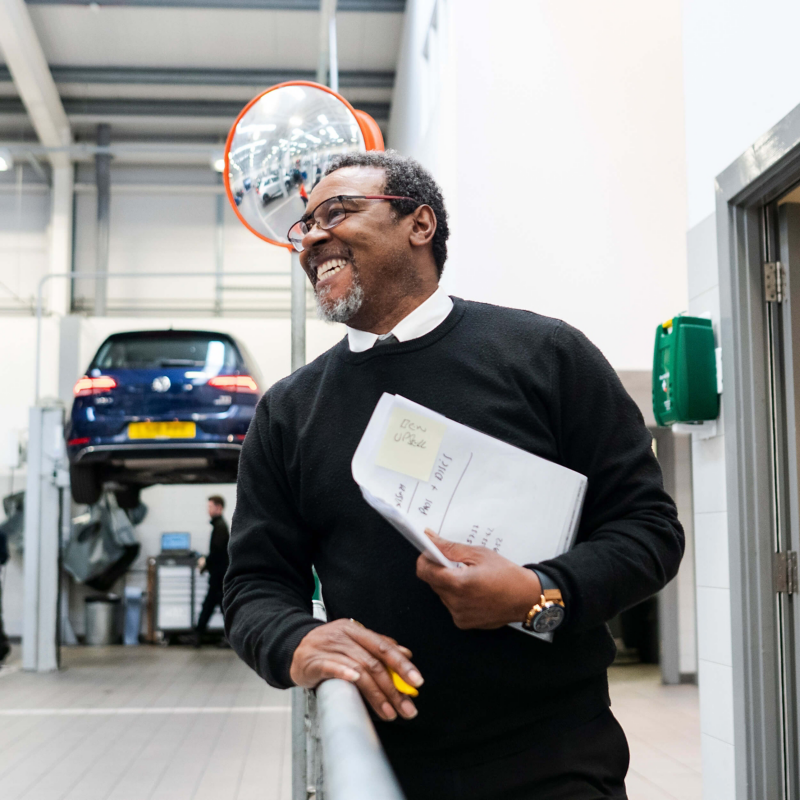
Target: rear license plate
{"type": "Point", "coordinates": [162, 430]}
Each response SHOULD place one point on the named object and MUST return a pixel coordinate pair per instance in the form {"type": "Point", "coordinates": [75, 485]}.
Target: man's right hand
{"type": "Point", "coordinates": [346, 650]}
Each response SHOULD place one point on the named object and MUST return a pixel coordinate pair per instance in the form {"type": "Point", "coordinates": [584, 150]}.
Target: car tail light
{"type": "Point", "coordinates": [80, 440]}
{"type": "Point", "coordinates": [87, 386]}
{"type": "Point", "coordinates": [234, 383]}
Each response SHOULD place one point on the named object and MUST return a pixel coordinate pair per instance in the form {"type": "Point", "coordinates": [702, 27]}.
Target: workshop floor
{"type": "Point", "coordinates": [157, 723]}
{"type": "Point", "coordinates": [662, 724]}
{"type": "Point", "coordinates": [145, 723]}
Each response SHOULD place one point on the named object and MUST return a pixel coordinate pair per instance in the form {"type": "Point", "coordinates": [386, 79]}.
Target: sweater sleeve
{"type": "Point", "coordinates": [269, 583]}
{"type": "Point", "coordinates": [629, 542]}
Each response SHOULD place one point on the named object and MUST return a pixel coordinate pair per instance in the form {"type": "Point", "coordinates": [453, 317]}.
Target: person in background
{"type": "Point", "coordinates": [215, 564]}
{"type": "Point", "coordinates": [5, 645]}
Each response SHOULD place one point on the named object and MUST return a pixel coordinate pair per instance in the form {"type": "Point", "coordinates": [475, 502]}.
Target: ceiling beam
{"type": "Point", "coordinates": [28, 68]}
{"type": "Point", "coordinates": [385, 6]}
{"type": "Point", "coordinates": [114, 107]}
{"type": "Point", "coordinates": [348, 79]}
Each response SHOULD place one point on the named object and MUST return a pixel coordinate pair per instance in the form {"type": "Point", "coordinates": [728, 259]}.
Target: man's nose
{"type": "Point", "coordinates": [315, 236]}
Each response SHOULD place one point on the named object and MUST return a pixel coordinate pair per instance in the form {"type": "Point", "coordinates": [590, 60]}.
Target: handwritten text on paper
{"type": "Point", "coordinates": [411, 443]}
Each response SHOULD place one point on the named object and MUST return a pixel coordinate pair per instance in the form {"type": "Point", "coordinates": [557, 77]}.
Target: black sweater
{"type": "Point", "coordinates": [531, 381]}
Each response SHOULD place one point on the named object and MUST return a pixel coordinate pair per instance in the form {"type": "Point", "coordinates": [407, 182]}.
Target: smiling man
{"type": "Point", "coordinates": [499, 714]}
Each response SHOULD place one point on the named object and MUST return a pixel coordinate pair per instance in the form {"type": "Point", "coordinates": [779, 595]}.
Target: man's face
{"type": "Point", "coordinates": [213, 509]}
{"type": "Point", "coordinates": [359, 265]}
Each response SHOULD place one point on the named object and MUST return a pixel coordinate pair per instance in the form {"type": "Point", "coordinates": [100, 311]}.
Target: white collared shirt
{"type": "Point", "coordinates": [423, 319]}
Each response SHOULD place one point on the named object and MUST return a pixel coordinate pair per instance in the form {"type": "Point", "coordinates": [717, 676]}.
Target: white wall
{"type": "Point", "coordinates": [712, 568]}
{"type": "Point", "coordinates": [739, 78]}
{"type": "Point", "coordinates": [169, 232]}
{"type": "Point", "coordinates": [24, 242]}
{"type": "Point", "coordinates": [560, 147]}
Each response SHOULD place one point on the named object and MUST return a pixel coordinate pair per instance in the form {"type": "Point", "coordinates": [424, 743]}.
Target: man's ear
{"type": "Point", "coordinates": [423, 226]}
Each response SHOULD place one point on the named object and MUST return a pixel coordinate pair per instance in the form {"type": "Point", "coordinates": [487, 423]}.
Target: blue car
{"type": "Point", "coordinates": [160, 407]}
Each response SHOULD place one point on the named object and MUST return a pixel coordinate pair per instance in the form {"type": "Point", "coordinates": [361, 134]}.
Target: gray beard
{"type": "Point", "coordinates": [344, 308]}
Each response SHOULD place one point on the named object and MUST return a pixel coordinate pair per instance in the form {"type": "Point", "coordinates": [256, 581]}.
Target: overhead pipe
{"type": "Point", "coordinates": [102, 167]}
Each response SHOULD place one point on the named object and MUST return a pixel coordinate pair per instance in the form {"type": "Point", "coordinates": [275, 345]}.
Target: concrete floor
{"type": "Point", "coordinates": [662, 724]}
{"type": "Point", "coordinates": [157, 723]}
{"type": "Point", "coordinates": [145, 723]}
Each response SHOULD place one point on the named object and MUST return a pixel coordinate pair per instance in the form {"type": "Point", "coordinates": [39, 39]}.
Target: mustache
{"type": "Point", "coordinates": [318, 257]}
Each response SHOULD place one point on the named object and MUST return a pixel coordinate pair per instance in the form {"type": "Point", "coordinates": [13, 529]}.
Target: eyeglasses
{"type": "Point", "coordinates": [331, 213]}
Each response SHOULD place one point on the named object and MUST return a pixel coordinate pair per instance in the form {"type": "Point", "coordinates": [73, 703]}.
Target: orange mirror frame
{"type": "Point", "coordinates": [371, 132]}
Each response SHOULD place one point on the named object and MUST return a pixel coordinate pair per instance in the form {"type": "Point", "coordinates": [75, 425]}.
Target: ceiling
{"type": "Point", "coordinates": [181, 70]}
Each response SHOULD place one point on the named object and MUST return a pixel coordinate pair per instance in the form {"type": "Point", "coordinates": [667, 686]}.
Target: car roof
{"type": "Point", "coordinates": [169, 332]}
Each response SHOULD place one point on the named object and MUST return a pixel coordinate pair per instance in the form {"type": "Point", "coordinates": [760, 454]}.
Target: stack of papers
{"type": "Point", "coordinates": [420, 470]}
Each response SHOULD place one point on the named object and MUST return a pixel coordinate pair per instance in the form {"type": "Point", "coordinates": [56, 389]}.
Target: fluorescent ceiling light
{"type": "Point", "coordinates": [218, 162]}
{"type": "Point", "coordinates": [6, 161]}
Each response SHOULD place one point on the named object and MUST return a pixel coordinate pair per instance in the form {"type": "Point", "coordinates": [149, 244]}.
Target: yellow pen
{"type": "Point", "coordinates": [399, 683]}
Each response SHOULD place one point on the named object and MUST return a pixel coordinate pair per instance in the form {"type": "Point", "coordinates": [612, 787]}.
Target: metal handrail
{"type": "Point", "coordinates": [355, 766]}
{"type": "Point", "coordinates": [336, 754]}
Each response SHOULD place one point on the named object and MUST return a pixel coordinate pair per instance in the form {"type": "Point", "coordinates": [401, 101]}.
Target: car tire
{"type": "Point", "coordinates": [85, 484]}
{"type": "Point", "coordinates": [129, 497]}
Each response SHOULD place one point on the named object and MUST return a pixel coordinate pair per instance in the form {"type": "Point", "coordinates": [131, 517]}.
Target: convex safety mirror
{"type": "Point", "coordinates": [279, 148]}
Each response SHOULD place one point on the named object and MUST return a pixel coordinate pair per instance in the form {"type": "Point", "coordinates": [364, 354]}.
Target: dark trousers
{"type": "Point", "coordinates": [213, 599]}
{"type": "Point", "coordinates": [5, 645]}
{"type": "Point", "coordinates": [586, 763]}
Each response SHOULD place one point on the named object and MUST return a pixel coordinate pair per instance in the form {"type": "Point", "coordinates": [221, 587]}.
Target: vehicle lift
{"type": "Point", "coordinates": [47, 524]}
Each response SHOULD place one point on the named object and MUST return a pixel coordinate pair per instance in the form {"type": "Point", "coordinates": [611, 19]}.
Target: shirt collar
{"type": "Point", "coordinates": [423, 319]}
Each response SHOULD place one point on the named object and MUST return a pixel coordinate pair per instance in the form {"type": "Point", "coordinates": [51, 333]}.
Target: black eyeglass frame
{"type": "Point", "coordinates": [303, 221]}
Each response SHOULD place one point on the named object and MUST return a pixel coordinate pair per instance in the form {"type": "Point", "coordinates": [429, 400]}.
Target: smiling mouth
{"type": "Point", "coordinates": [328, 268]}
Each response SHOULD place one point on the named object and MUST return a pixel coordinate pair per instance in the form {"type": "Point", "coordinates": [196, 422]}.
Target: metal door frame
{"type": "Point", "coordinates": [761, 175]}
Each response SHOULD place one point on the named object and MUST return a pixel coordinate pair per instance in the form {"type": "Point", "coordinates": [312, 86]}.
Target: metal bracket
{"type": "Point", "coordinates": [774, 281]}
{"type": "Point", "coordinates": [785, 571]}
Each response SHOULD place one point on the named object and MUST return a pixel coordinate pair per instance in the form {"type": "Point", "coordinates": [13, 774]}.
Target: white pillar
{"type": "Point", "coordinates": [42, 506]}
{"type": "Point", "coordinates": [59, 291]}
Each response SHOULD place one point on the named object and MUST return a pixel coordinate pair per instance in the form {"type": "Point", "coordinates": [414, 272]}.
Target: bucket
{"type": "Point", "coordinates": [102, 614]}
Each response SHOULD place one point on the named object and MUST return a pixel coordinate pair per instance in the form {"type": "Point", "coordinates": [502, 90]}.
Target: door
{"type": "Point", "coordinates": [782, 299]}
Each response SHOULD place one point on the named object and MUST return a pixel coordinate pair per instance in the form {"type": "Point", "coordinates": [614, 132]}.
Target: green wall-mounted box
{"type": "Point", "coordinates": [685, 372]}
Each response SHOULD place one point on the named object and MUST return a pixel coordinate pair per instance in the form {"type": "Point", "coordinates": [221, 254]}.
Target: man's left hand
{"type": "Point", "coordinates": [488, 591]}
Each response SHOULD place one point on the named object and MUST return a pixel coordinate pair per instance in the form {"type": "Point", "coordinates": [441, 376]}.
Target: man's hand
{"type": "Point", "coordinates": [201, 563]}
{"type": "Point", "coordinates": [487, 592]}
{"type": "Point", "coordinates": [344, 649]}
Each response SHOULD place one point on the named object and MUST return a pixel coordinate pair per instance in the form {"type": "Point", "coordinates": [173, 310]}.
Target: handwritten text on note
{"type": "Point", "coordinates": [411, 443]}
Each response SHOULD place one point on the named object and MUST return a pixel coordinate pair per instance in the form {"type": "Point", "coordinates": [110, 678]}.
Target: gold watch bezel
{"type": "Point", "coordinates": [548, 598]}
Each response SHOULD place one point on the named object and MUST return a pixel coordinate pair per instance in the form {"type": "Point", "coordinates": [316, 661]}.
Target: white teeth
{"type": "Point", "coordinates": [331, 267]}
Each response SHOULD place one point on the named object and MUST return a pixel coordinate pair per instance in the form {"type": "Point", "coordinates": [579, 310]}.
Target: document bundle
{"type": "Point", "coordinates": [420, 470]}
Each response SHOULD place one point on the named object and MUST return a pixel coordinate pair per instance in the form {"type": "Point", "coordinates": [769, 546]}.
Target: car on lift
{"type": "Point", "coordinates": [160, 406]}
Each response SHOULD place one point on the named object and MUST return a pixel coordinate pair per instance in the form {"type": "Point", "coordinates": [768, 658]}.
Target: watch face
{"type": "Point", "coordinates": [548, 619]}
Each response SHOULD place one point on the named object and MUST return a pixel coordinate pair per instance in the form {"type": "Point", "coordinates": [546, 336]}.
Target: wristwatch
{"type": "Point", "coordinates": [548, 613]}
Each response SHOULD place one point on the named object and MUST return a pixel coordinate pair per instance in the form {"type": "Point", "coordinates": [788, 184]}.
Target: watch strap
{"type": "Point", "coordinates": [544, 579]}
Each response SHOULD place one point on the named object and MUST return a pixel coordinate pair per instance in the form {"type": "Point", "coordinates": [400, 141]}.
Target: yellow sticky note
{"type": "Point", "coordinates": [411, 443]}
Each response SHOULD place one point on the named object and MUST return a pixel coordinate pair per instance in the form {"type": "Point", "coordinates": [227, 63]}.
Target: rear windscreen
{"type": "Point", "coordinates": [212, 355]}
